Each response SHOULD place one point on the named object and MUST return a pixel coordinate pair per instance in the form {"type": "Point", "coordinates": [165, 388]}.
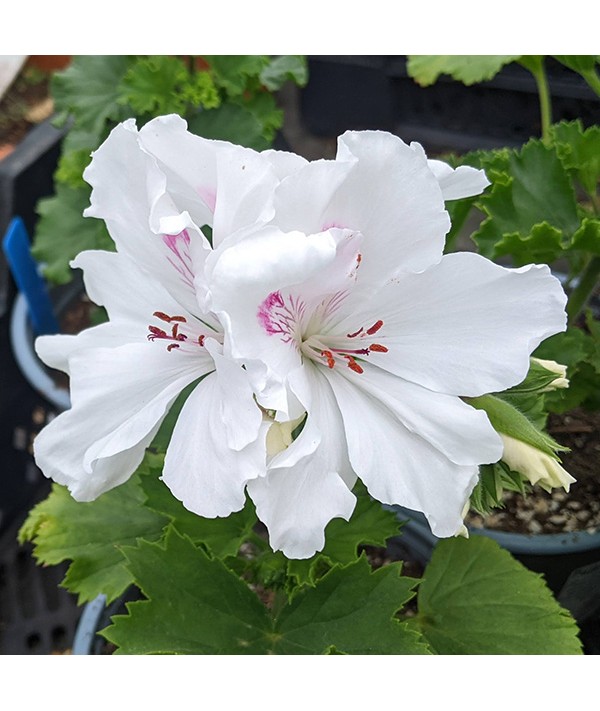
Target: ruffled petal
{"type": "Point", "coordinates": [466, 326]}
{"type": "Point", "coordinates": [201, 469]}
{"type": "Point", "coordinates": [455, 183]}
{"type": "Point", "coordinates": [460, 432]}
{"type": "Point", "coordinates": [301, 494]}
{"type": "Point", "coordinates": [119, 398]}
{"type": "Point", "coordinates": [393, 198]}
{"type": "Point", "coordinates": [221, 185]}
{"type": "Point", "coordinates": [399, 466]}
{"type": "Point", "coordinates": [130, 194]}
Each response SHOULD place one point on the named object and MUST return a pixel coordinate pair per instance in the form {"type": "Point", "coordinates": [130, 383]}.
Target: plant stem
{"type": "Point", "coordinates": [582, 292]}
{"type": "Point", "coordinates": [535, 64]}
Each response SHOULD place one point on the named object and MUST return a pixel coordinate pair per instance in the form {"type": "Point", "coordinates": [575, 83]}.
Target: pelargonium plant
{"type": "Point", "coordinates": [287, 349]}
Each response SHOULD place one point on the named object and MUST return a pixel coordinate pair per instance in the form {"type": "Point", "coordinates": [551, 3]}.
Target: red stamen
{"type": "Point", "coordinates": [201, 341]}
{"type": "Point", "coordinates": [165, 317]}
{"type": "Point", "coordinates": [330, 358]}
{"type": "Point", "coordinates": [375, 327]}
{"type": "Point", "coordinates": [172, 345]}
{"type": "Point", "coordinates": [353, 365]}
{"type": "Point", "coordinates": [378, 348]}
{"type": "Point", "coordinates": [156, 332]}
{"type": "Point", "coordinates": [354, 335]}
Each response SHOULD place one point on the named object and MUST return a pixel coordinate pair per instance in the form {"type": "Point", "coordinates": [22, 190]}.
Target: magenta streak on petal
{"type": "Point", "coordinates": [278, 317]}
{"type": "Point", "coordinates": [208, 196]}
{"type": "Point", "coordinates": [179, 246]}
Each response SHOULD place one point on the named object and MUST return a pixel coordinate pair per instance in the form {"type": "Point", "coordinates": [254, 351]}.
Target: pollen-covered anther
{"type": "Point", "coordinates": [330, 358]}
{"type": "Point", "coordinates": [172, 345]}
{"type": "Point", "coordinates": [378, 348]}
{"type": "Point", "coordinates": [169, 319]}
{"type": "Point", "coordinates": [375, 327]}
{"type": "Point", "coordinates": [353, 365]}
{"type": "Point", "coordinates": [369, 332]}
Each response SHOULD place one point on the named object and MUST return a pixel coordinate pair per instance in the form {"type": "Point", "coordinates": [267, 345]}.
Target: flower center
{"type": "Point", "coordinates": [177, 333]}
{"type": "Point", "coordinates": [347, 351]}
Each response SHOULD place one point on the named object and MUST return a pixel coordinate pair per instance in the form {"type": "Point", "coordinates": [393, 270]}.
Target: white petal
{"type": "Point", "coordinates": [240, 416]}
{"type": "Point", "coordinates": [466, 326]}
{"type": "Point", "coordinates": [297, 502]}
{"type": "Point", "coordinates": [221, 184]}
{"type": "Point", "coordinates": [455, 183]}
{"type": "Point", "coordinates": [201, 469]}
{"type": "Point", "coordinates": [459, 431]}
{"type": "Point", "coordinates": [393, 198]}
{"type": "Point", "coordinates": [244, 275]}
{"type": "Point", "coordinates": [130, 194]}
{"type": "Point", "coordinates": [119, 398]}
{"type": "Point", "coordinates": [398, 466]}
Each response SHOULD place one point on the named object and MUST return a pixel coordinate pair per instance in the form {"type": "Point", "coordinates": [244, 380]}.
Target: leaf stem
{"type": "Point", "coordinates": [582, 292]}
{"type": "Point", "coordinates": [535, 64]}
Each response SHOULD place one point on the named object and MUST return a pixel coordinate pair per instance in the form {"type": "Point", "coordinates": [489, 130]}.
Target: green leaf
{"type": "Point", "coordinates": [475, 598]}
{"type": "Point", "coordinates": [370, 524]}
{"type": "Point", "coordinates": [467, 68]}
{"type": "Point", "coordinates": [264, 108]}
{"type": "Point", "coordinates": [90, 535]}
{"type": "Point", "coordinates": [351, 609]}
{"type": "Point", "coordinates": [584, 64]}
{"type": "Point", "coordinates": [200, 90]}
{"type": "Point", "coordinates": [89, 89]}
{"type": "Point", "coordinates": [578, 62]}
{"type": "Point", "coordinates": [531, 204]}
{"type": "Point", "coordinates": [222, 536]}
{"type": "Point", "coordinates": [232, 72]}
{"type": "Point", "coordinates": [289, 67]}
{"type": "Point", "coordinates": [152, 85]}
{"type": "Point", "coordinates": [230, 122]}
{"type": "Point", "coordinates": [579, 150]}
{"type": "Point", "coordinates": [196, 605]}
{"type": "Point", "coordinates": [62, 232]}
{"type": "Point", "coordinates": [71, 166]}
{"type": "Point", "coordinates": [587, 237]}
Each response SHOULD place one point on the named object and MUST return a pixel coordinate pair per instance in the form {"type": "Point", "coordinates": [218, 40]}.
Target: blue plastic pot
{"type": "Point", "coordinates": [554, 555]}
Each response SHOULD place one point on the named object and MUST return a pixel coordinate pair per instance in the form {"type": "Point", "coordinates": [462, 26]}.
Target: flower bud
{"type": "Point", "coordinates": [279, 436]}
{"type": "Point", "coordinates": [561, 370]}
{"type": "Point", "coordinates": [535, 465]}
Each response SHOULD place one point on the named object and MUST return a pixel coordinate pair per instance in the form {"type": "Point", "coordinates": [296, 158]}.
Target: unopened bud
{"type": "Point", "coordinates": [535, 465]}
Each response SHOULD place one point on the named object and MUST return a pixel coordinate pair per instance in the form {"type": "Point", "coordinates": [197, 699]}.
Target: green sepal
{"type": "Point", "coordinates": [538, 378]}
{"type": "Point", "coordinates": [508, 420]}
{"type": "Point", "coordinates": [494, 479]}
{"type": "Point", "coordinates": [475, 598]}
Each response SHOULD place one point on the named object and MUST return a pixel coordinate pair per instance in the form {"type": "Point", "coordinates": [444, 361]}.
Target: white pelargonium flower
{"type": "Point", "coordinates": [535, 465]}
{"type": "Point", "coordinates": [321, 305]}
{"type": "Point", "coordinates": [157, 189]}
{"type": "Point", "coordinates": [366, 327]}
